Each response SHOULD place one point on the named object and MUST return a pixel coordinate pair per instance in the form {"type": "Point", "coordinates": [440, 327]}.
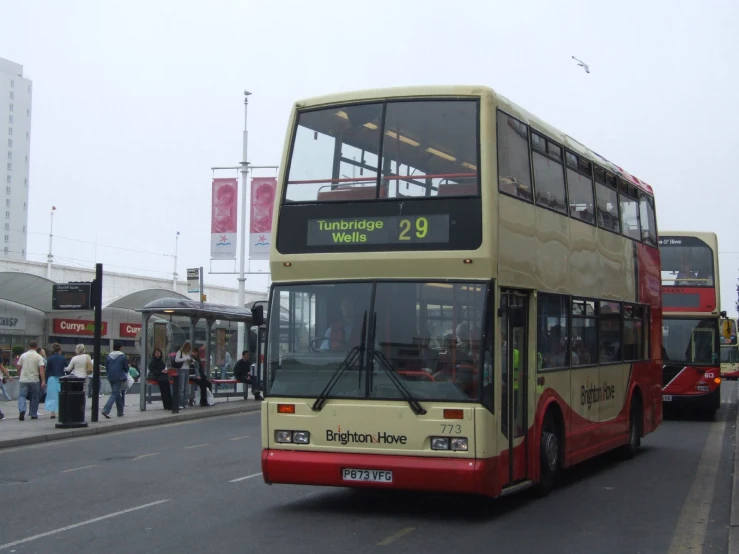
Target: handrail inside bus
{"type": "Point", "coordinates": [384, 177]}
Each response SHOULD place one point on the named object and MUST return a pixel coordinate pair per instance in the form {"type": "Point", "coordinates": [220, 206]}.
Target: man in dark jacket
{"type": "Point", "coordinates": [242, 373]}
{"type": "Point", "coordinates": [116, 365]}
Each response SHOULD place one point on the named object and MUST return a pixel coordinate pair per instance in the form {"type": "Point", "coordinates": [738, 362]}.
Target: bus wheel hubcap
{"type": "Point", "coordinates": [551, 450]}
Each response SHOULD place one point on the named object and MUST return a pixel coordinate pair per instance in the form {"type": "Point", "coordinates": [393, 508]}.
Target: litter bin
{"type": "Point", "coordinates": [71, 402]}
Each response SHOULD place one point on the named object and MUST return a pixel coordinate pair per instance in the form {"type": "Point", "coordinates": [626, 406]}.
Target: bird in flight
{"type": "Point", "coordinates": [582, 64]}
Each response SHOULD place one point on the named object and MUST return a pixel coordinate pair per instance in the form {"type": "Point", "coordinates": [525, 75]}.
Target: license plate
{"type": "Point", "coordinates": [666, 398]}
{"type": "Point", "coordinates": [368, 475]}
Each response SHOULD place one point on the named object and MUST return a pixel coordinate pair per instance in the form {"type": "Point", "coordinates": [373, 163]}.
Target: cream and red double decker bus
{"type": "Point", "coordinates": [690, 326]}
{"type": "Point", "coordinates": [464, 298]}
{"type": "Point", "coordinates": [729, 350]}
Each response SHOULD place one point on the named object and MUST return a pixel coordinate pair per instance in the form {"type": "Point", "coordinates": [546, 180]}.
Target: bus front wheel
{"type": "Point", "coordinates": [549, 455]}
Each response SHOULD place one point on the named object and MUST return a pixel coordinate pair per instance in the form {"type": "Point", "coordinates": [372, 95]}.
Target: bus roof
{"type": "Point", "coordinates": [486, 93]}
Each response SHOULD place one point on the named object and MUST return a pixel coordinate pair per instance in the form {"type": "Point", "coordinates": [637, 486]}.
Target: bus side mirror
{"type": "Point", "coordinates": [257, 315]}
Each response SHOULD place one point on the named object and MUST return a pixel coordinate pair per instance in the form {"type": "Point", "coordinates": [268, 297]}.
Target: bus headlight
{"type": "Point", "coordinates": [295, 437]}
{"type": "Point", "coordinates": [459, 443]}
{"type": "Point", "coordinates": [283, 436]}
{"type": "Point", "coordinates": [439, 443]}
{"type": "Point", "coordinates": [301, 437]}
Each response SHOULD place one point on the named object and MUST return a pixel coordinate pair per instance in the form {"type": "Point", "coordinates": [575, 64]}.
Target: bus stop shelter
{"type": "Point", "coordinates": [194, 311]}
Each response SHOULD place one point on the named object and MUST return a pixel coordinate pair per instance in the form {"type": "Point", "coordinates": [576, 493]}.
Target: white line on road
{"type": "Point", "coordinates": [79, 468]}
{"type": "Point", "coordinates": [144, 456]}
{"type": "Point", "coordinates": [239, 438]}
{"type": "Point", "coordinates": [88, 522]}
{"type": "Point", "coordinates": [395, 536]}
{"type": "Point", "coordinates": [244, 478]}
{"type": "Point", "coordinates": [690, 531]}
{"type": "Point", "coordinates": [196, 446]}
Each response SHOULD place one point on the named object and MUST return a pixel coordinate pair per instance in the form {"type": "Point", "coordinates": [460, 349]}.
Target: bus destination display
{"type": "Point", "coordinates": [354, 231]}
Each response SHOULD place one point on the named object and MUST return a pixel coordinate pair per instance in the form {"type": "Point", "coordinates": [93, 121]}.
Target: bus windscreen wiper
{"type": "Point", "coordinates": [356, 353]}
{"type": "Point", "coordinates": [393, 374]}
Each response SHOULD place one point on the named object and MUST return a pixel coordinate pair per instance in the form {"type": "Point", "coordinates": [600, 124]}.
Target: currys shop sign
{"type": "Point", "coordinates": [77, 327]}
{"type": "Point", "coordinates": [129, 330]}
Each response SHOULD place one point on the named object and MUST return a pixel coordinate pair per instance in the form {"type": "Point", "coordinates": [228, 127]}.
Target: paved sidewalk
{"type": "Point", "coordinates": [31, 431]}
{"type": "Point", "coordinates": [734, 515]}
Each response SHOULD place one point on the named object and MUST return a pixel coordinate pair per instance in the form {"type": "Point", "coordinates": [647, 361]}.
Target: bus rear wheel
{"type": "Point", "coordinates": [629, 450]}
{"type": "Point", "coordinates": [549, 455]}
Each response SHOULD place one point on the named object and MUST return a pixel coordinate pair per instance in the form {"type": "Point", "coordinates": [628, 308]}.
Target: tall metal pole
{"type": "Point", "coordinates": [174, 271]}
{"type": "Point", "coordinates": [97, 291]}
{"type": "Point", "coordinates": [242, 257]}
{"type": "Point", "coordinates": [50, 256]}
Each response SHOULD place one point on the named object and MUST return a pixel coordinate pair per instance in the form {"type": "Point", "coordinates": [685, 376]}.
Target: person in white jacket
{"type": "Point", "coordinates": [183, 357]}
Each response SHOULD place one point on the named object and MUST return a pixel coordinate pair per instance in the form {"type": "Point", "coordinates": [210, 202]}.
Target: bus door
{"type": "Point", "coordinates": [514, 364]}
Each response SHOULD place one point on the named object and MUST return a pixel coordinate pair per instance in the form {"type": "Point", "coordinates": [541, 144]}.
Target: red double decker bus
{"type": "Point", "coordinates": [690, 324]}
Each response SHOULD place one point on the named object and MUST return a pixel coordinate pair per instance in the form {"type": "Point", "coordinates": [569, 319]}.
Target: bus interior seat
{"type": "Point", "coordinates": [454, 189]}
{"type": "Point", "coordinates": [348, 193]}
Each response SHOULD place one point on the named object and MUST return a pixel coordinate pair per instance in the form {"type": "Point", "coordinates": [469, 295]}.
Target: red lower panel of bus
{"type": "Point", "coordinates": [408, 472]}
{"type": "Point", "coordinates": [688, 380]}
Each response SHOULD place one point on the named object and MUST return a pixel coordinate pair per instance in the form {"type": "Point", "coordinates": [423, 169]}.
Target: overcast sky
{"type": "Point", "coordinates": [134, 101]}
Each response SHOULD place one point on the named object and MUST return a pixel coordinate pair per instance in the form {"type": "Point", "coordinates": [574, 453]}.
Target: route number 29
{"type": "Point", "coordinates": [406, 227]}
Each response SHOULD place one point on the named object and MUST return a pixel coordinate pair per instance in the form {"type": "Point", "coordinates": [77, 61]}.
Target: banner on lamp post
{"type": "Point", "coordinates": [223, 223]}
{"type": "Point", "coordinates": [260, 228]}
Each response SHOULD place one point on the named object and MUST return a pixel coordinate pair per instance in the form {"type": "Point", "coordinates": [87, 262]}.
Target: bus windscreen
{"type": "Point", "coordinates": [686, 262]}
{"type": "Point", "coordinates": [395, 175]}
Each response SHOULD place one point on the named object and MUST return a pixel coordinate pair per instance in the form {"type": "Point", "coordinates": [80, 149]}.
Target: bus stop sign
{"type": "Point", "coordinates": [72, 296]}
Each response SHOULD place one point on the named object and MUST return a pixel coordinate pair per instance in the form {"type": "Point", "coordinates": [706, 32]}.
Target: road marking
{"type": "Point", "coordinates": [144, 456]}
{"type": "Point", "coordinates": [690, 531]}
{"type": "Point", "coordinates": [395, 536]}
{"type": "Point", "coordinates": [88, 522]}
{"type": "Point", "coordinates": [79, 468]}
{"type": "Point", "coordinates": [244, 478]}
{"type": "Point", "coordinates": [195, 446]}
{"type": "Point", "coordinates": [239, 438]}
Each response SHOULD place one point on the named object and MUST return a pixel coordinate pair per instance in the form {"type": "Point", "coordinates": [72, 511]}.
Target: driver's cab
{"type": "Point", "coordinates": [426, 334]}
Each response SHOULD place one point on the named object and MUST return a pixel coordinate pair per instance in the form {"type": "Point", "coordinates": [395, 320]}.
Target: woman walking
{"type": "Point", "coordinates": [54, 369]}
{"type": "Point", "coordinates": [158, 373]}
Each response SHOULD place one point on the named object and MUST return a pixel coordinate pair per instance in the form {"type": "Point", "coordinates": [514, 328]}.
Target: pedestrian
{"type": "Point", "coordinates": [54, 370]}
{"type": "Point", "coordinates": [81, 366]}
{"type": "Point", "coordinates": [242, 373]}
{"type": "Point", "coordinates": [116, 365]}
{"type": "Point", "coordinates": [158, 373]}
{"type": "Point", "coordinates": [5, 377]}
{"type": "Point", "coordinates": [182, 361]}
{"type": "Point", "coordinates": [32, 379]}
{"type": "Point", "coordinates": [226, 365]}
{"type": "Point", "coordinates": [2, 383]}
{"type": "Point", "coordinates": [200, 378]}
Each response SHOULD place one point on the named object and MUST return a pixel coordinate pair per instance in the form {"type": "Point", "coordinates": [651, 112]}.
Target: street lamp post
{"type": "Point", "coordinates": [50, 256]}
{"type": "Point", "coordinates": [242, 256]}
{"type": "Point", "coordinates": [244, 167]}
{"type": "Point", "coordinates": [174, 271]}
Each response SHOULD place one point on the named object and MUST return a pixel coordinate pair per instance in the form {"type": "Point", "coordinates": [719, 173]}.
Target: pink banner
{"type": "Point", "coordinates": [263, 190]}
{"type": "Point", "coordinates": [224, 219]}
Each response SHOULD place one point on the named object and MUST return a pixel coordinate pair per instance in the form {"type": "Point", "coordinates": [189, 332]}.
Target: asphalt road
{"type": "Point", "coordinates": [196, 487]}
